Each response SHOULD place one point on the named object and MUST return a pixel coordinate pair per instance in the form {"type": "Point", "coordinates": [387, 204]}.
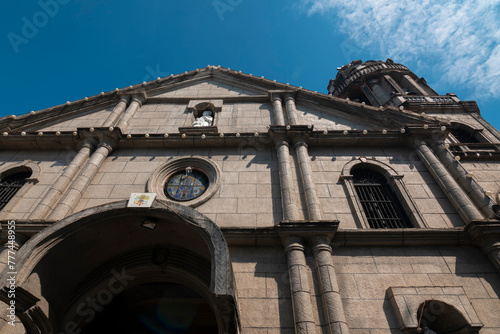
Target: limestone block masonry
{"type": "Point", "coordinates": [372, 209]}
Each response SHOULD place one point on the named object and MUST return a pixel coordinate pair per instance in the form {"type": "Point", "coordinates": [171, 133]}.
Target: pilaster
{"type": "Point", "coordinates": [288, 198]}
{"type": "Point", "coordinates": [137, 100]}
{"type": "Point", "coordinates": [59, 187]}
{"type": "Point", "coordinates": [117, 111]}
{"type": "Point", "coordinates": [312, 199]}
{"type": "Point", "coordinates": [299, 284]}
{"type": "Point", "coordinates": [330, 292]}
{"type": "Point", "coordinates": [278, 116]}
{"type": "Point", "coordinates": [450, 187]}
{"type": "Point", "coordinates": [472, 188]}
{"type": "Point", "coordinates": [75, 192]}
{"type": "Point", "coordinates": [291, 109]}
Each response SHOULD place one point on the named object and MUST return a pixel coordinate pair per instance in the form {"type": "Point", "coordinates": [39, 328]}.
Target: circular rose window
{"type": "Point", "coordinates": [186, 185]}
{"type": "Point", "coordinates": [192, 180]}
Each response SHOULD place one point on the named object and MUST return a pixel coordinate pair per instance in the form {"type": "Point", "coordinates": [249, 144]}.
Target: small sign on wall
{"type": "Point", "coordinates": [141, 200]}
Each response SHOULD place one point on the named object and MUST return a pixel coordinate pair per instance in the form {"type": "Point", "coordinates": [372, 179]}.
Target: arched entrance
{"type": "Point", "coordinates": [155, 308]}
{"type": "Point", "coordinates": [77, 271]}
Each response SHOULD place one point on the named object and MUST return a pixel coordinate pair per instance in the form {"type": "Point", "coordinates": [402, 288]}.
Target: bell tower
{"type": "Point", "coordinates": [380, 83]}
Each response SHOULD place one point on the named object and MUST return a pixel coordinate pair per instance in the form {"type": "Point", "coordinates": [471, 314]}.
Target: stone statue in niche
{"type": "Point", "coordinates": [206, 119]}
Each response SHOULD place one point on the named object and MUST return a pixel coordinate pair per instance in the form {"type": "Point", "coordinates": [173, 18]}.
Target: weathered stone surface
{"type": "Point", "coordinates": [282, 155]}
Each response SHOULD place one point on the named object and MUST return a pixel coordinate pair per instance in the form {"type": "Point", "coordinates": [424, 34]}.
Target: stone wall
{"type": "Point", "coordinates": [328, 162]}
{"type": "Point", "coordinates": [364, 275]}
{"type": "Point", "coordinates": [249, 195]}
{"type": "Point", "coordinates": [263, 288]}
{"type": "Point", "coordinates": [93, 118]}
{"type": "Point", "coordinates": [327, 120]}
{"type": "Point", "coordinates": [487, 174]}
{"type": "Point", "coordinates": [51, 163]}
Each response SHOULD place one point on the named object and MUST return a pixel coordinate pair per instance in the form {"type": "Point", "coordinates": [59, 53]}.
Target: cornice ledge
{"type": "Point", "coordinates": [271, 236]}
{"type": "Point", "coordinates": [401, 237]}
{"type": "Point", "coordinates": [484, 232]}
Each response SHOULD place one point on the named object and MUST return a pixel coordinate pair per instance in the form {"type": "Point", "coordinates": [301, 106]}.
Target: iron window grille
{"type": "Point", "coordinates": [10, 185]}
{"type": "Point", "coordinates": [468, 142]}
{"type": "Point", "coordinates": [463, 136]}
{"type": "Point", "coordinates": [381, 206]}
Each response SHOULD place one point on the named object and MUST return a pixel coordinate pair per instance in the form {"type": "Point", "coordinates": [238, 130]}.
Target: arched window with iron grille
{"type": "Point", "coordinates": [380, 204]}
{"type": "Point", "coordinates": [463, 139]}
{"type": "Point", "coordinates": [10, 185]}
{"type": "Point", "coordinates": [463, 136]}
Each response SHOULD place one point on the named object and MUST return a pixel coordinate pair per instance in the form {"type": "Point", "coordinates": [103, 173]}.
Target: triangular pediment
{"type": "Point", "coordinates": [247, 106]}
{"type": "Point", "coordinates": [327, 118]}
{"type": "Point", "coordinates": [207, 88]}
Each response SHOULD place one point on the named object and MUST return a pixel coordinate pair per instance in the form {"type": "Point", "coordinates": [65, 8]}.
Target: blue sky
{"type": "Point", "coordinates": [53, 51]}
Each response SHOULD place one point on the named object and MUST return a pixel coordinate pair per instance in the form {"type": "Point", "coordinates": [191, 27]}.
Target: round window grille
{"type": "Point", "coordinates": [186, 185]}
{"type": "Point", "coordinates": [191, 180]}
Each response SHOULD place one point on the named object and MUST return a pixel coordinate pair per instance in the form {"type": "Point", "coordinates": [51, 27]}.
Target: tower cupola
{"type": "Point", "coordinates": [380, 83]}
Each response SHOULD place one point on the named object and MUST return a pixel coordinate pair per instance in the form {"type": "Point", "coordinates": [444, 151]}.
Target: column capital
{"type": "Point", "coordinates": [279, 141]}
{"type": "Point", "coordinates": [322, 242]}
{"type": "Point", "coordinates": [124, 97]}
{"type": "Point", "coordinates": [139, 98]}
{"type": "Point", "coordinates": [20, 240]}
{"type": "Point", "coordinates": [299, 142]}
{"type": "Point", "coordinates": [97, 137]}
{"type": "Point", "coordinates": [289, 96]}
{"type": "Point", "coordinates": [419, 142]}
{"type": "Point", "coordinates": [293, 242]}
{"type": "Point", "coordinates": [108, 143]}
{"type": "Point", "coordinates": [87, 143]}
{"type": "Point", "coordinates": [276, 97]}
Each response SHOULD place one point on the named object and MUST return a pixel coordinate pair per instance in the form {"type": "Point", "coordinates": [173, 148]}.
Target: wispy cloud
{"type": "Point", "coordinates": [458, 41]}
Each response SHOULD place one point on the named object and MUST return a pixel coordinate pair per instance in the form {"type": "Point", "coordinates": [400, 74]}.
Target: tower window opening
{"type": "Point", "coordinates": [463, 136]}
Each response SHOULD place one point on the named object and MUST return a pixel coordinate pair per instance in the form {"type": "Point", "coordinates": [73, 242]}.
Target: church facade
{"type": "Point", "coordinates": [216, 201]}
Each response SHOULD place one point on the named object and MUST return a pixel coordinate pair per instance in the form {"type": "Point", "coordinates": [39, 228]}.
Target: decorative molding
{"type": "Point", "coordinates": [269, 236]}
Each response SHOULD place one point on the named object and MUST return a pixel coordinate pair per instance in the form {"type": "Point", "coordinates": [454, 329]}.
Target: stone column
{"type": "Point", "coordinates": [288, 199]}
{"type": "Point", "coordinates": [299, 285]}
{"type": "Point", "coordinates": [59, 187]}
{"type": "Point", "coordinates": [137, 101]}
{"type": "Point", "coordinates": [117, 111]}
{"type": "Point", "coordinates": [291, 110]}
{"type": "Point", "coordinates": [330, 292]}
{"type": "Point", "coordinates": [450, 187]}
{"type": "Point", "coordinates": [78, 187]}
{"type": "Point", "coordinates": [471, 187]}
{"type": "Point", "coordinates": [278, 116]}
{"type": "Point", "coordinates": [312, 199]}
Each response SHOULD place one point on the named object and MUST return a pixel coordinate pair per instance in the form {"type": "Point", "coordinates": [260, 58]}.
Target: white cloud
{"type": "Point", "coordinates": [457, 40]}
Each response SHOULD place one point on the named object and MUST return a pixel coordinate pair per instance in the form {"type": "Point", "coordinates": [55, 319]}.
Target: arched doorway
{"type": "Point", "coordinates": [77, 271]}
{"type": "Point", "coordinates": [155, 308]}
